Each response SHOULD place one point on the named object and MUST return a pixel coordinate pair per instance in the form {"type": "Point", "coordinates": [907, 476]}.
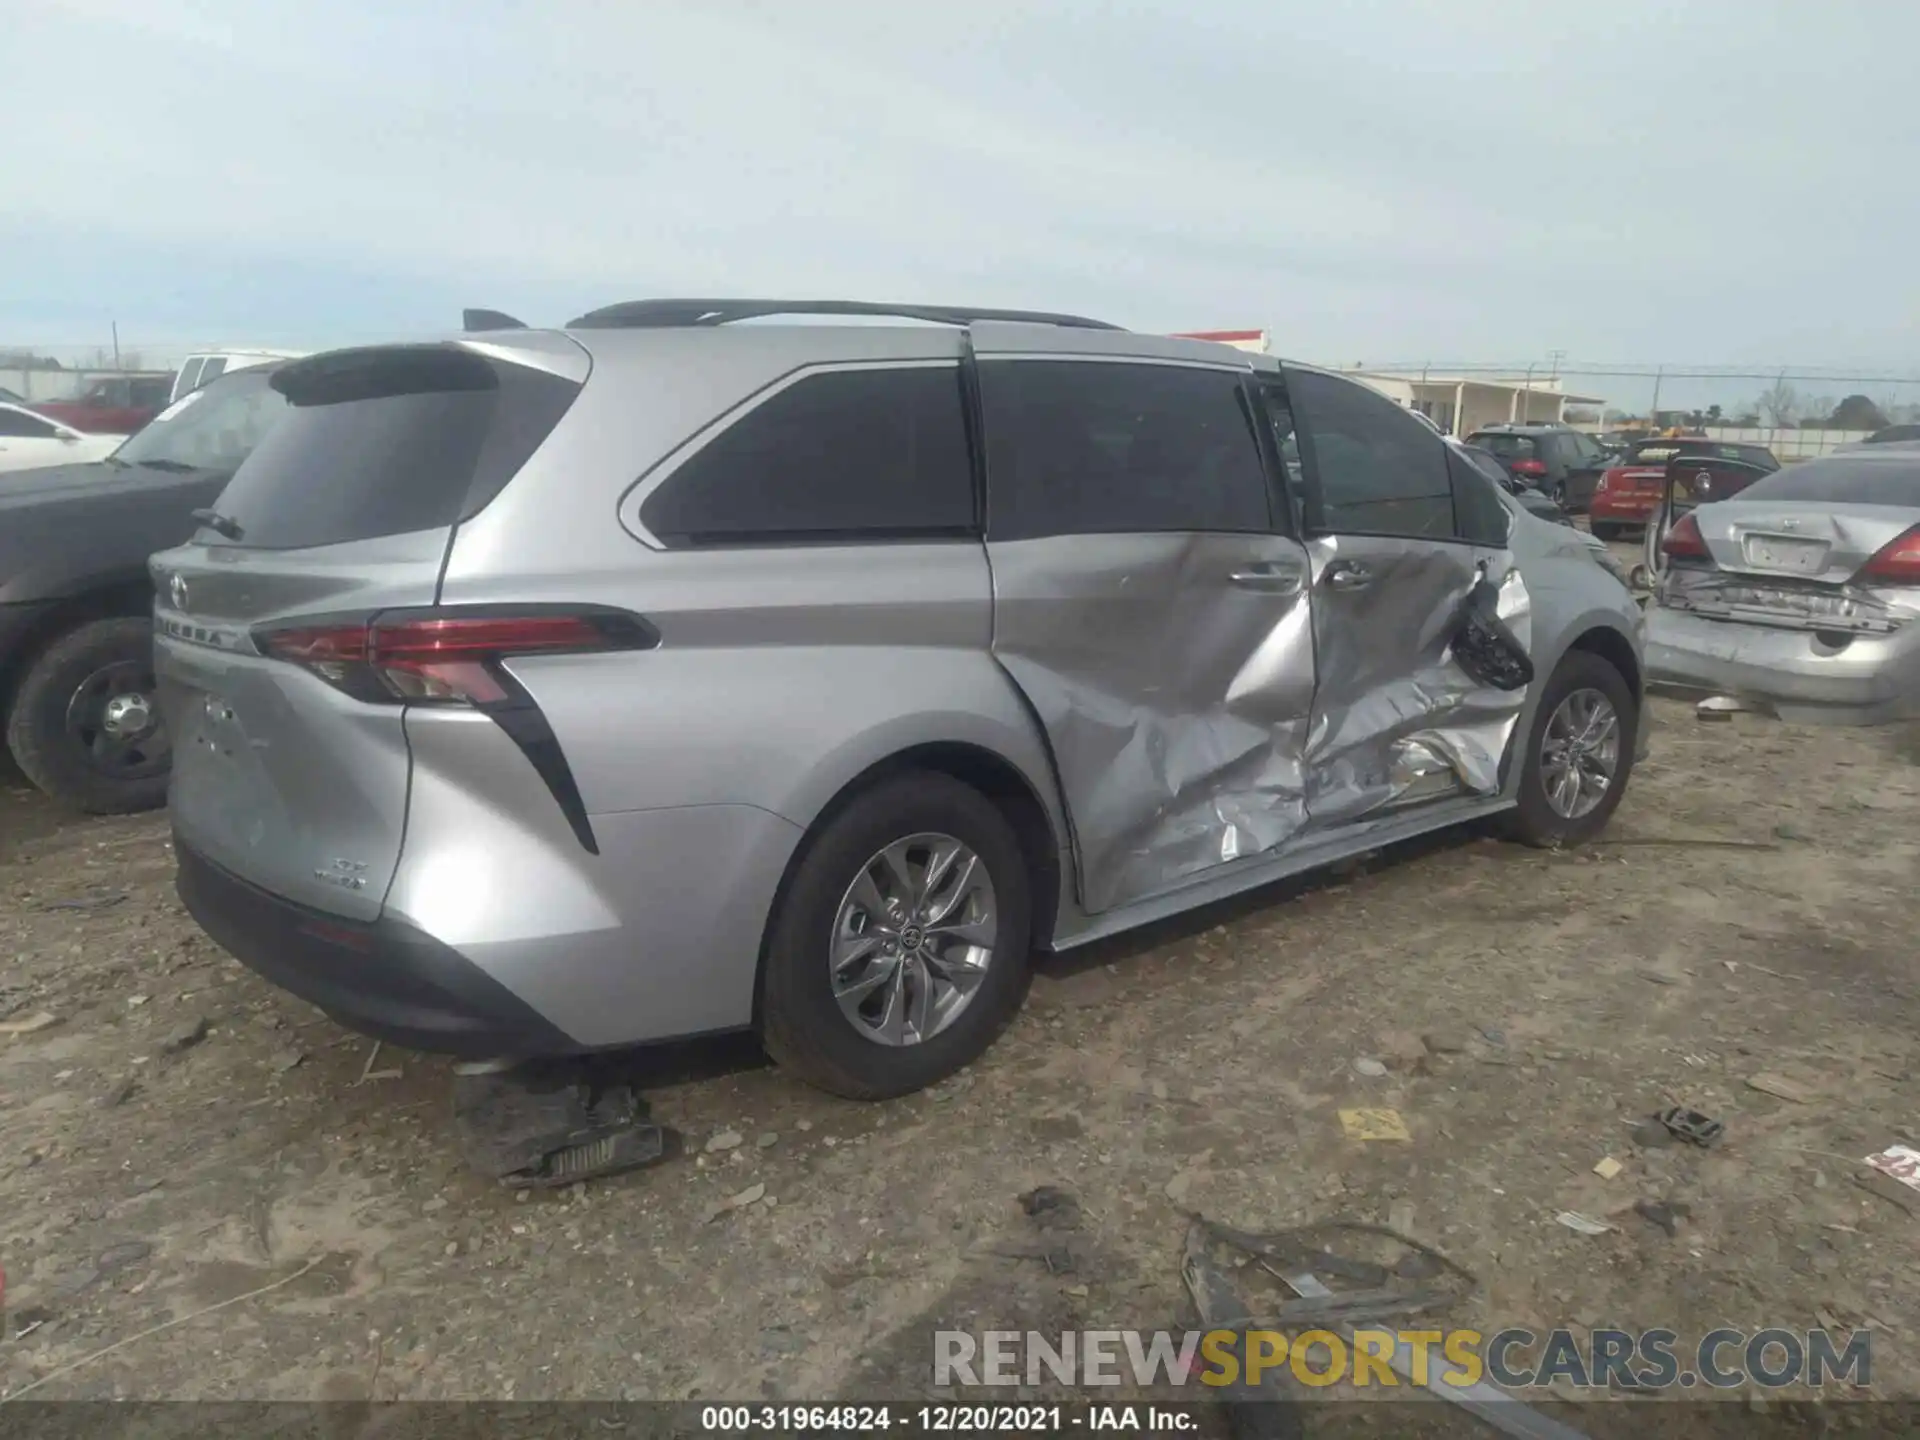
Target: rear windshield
{"type": "Point", "coordinates": [383, 442]}
{"type": "Point", "coordinates": [1659, 452]}
{"type": "Point", "coordinates": [1507, 447]}
{"type": "Point", "coordinates": [1850, 480]}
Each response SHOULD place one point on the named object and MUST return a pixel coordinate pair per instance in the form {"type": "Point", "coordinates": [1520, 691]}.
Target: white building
{"type": "Point", "coordinates": [1461, 404]}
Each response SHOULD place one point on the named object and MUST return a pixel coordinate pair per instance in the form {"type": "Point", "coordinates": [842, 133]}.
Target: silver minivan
{"type": "Point", "coordinates": [543, 691]}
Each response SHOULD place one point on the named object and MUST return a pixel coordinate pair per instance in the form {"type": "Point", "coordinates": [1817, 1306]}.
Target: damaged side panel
{"type": "Point", "coordinates": [1174, 676]}
{"type": "Point", "coordinates": [1396, 717]}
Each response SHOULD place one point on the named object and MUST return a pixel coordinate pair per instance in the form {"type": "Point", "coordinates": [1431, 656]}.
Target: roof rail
{"type": "Point", "coordinates": [666, 314]}
{"type": "Point", "coordinates": [472, 320]}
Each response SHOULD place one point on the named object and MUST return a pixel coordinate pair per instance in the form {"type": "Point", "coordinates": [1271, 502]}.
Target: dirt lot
{"type": "Point", "coordinates": [1753, 910]}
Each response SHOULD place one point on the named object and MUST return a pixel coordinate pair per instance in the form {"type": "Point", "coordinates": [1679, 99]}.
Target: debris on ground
{"type": "Point", "coordinates": [725, 1140]}
{"type": "Point", "coordinates": [184, 1037]}
{"type": "Point", "coordinates": [87, 902]}
{"type": "Point", "coordinates": [1899, 1162]}
{"type": "Point", "coordinates": [1692, 1127]}
{"type": "Point", "coordinates": [285, 1060]}
{"type": "Point", "coordinates": [749, 1196]}
{"type": "Point", "coordinates": [1582, 1224]}
{"type": "Point", "coordinates": [29, 1024]}
{"type": "Point", "coordinates": [551, 1125]}
{"type": "Point", "coordinates": [1608, 1167]}
{"type": "Point", "coordinates": [1667, 1214]}
{"type": "Point", "coordinates": [1780, 1087]}
{"type": "Point", "coordinates": [1366, 1065]}
{"type": "Point", "coordinates": [1304, 1260]}
{"type": "Point", "coordinates": [1374, 1125]}
{"type": "Point", "coordinates": [1721, 707]}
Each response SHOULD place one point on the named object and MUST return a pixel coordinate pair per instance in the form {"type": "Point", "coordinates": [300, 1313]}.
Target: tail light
{"type": "Point", "coordinates": [447, 657]}
{"type": "Point", "coordinates": [1684, 541]}
{"type": "Point", "coordinates": [1610, 479]}
{"type": "Point", "coordinates": [1897, 562]}
{"type": "Point", "coordinates": [1532, 469]}
{"type": "Point", "coordinates": [455, 657]}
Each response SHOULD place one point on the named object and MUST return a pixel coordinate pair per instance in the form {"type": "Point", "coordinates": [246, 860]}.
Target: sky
{"type": "Point", "coordinates": [1724, 181]}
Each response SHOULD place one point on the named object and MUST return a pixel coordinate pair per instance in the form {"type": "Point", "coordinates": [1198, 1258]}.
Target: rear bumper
{"type": "Point", "coordinates": [385, 979]}
{"type": "Point", "coordinates": [1626, 509]}
{"type": "Point", "coordinates": [1869, 680]}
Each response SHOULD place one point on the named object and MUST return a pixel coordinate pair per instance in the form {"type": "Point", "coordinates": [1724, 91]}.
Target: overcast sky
{"type": "Point", "coordinates": [1721, 180]}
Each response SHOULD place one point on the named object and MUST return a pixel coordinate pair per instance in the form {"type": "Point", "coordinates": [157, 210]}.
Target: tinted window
{"type": "Point", "coordinates": [207, 430]}
{"type": "Point", "coordinates": [215, 367]}
{"type": "Point", "coordinates": [189, 376]}
{"type": "Point", "coordinates": [154, 391]}
{"type": "Point", "coordinates": [1869, 480]}
{"type": "Point", "coordinates": [1376, 469]}
{"type": "Point", "coordinates": [1090, 447]}
{"type": "Point", "coordinates": [381, 442]}
{"type": "Point", "coordinates": [1758, 455]}
{"type": "Point", "coordinates": [849, 454]}
{"type": "Point", "coordinates": [1483, 516]}
{"type": "Point", "coordinates": [1507, 447]}
{"type": "Point", "coordinates": [15, 426]}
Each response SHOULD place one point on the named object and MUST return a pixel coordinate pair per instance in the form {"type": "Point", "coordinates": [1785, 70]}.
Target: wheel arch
{"type": "Point", "coordinates": [1021, 798]}
{"type": "Point", "coordinates": [122, 598]}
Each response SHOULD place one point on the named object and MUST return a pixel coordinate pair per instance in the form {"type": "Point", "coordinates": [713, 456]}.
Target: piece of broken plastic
{"type": "Point", "coordinates": [547, 1128]}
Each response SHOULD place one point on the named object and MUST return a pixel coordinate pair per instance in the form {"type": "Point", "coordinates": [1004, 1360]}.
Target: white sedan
{"type": "Point", "coordinates": [29, 441]}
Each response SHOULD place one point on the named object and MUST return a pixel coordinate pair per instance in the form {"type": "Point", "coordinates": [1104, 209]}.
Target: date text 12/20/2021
{"type": "Point", "coordinates": [949, 1419]}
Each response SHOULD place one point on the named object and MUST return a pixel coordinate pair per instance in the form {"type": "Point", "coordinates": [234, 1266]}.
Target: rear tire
{"type": "Point", "coordinates": [57, 740]}
{"type": "Point", "coordinates": [1536, 821]}
{"type": "Point", "coordinates": [804, 1026]}
{"type": "Point", "coordinates": [1604, 530]}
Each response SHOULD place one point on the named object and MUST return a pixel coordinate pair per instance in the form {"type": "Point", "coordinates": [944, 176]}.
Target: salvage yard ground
{"type": "Point", "coordinates": [1752, 911]}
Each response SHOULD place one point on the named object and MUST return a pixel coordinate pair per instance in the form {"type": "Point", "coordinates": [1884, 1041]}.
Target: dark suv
{"type": "Point", "coordinates": [1563, 464]}
{"type": "Point", "coordinates": [76, 630]}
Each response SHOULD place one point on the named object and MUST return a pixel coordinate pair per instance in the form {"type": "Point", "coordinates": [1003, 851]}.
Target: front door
{"type": "Point", "coordinates": [1151, 602]}
{"type": "Point", "coordinates": [1395, 720]}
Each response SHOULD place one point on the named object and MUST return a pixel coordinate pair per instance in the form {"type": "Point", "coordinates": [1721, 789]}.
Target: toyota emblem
{"type": "Point", "coordinates": [177, 592]}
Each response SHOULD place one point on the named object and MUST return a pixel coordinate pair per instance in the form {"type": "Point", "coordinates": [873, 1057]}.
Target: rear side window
{"type": "Point", "coordinates": [1758, 455]}
{"type": "Point", "coordinates": [1875, 480]}
{"type": "Point", "coordinates": [1507, 447]}
{"type": "Point", "coordinates": [1483, 517]}
{"type": "Point", "coordinates": [840, 455]}
{"type": "Point", "coordinates": [382, 442]}
{"type": "Point", "coordinates": [215, 367]}
{"type": "Point", "coordinates": [1376, 469]}
{"type": "Point", "coordinates": [188, 378]}
{"type": "Point", "coordinates": [1078, 447]}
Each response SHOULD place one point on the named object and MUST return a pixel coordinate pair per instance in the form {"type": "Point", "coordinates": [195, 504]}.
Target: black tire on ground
{"type": "Point", "coordinates": [37, 733]}
{"type": "Point", "coordinates": [802, 1024]}
{"type": "Point", "coordinates": [1535, 822]}
{"type": "Point", "coordinates": [1604, 530]}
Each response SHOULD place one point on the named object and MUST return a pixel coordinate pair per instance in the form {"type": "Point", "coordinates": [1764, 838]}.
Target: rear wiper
{"type": "Point", "coordinates": [172, 467]}
{"type": "Point", "coordinates": [220, 524]}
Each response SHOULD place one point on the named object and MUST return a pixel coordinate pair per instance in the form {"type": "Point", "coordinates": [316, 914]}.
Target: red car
{"type": "Point", "coordinates": [119, 405]}
{"type": "Point", "coordinates": [1629, 492]}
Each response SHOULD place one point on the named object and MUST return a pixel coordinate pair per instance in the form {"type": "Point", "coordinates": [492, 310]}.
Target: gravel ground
{"type": "Point", "coordinates": [182, 1134]}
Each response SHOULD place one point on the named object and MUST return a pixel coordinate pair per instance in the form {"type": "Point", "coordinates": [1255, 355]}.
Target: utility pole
{"type": "Point", "coordinates": [116, 344]}
{"type": "Point", "coordinates": [1556, 356]}
{"type": "Point", "coordinates": [1653, 419]}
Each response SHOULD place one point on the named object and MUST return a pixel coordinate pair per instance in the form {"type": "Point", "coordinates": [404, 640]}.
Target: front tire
{"type": "Point", "coordinates": [899, 949]}
{"type": "Point", "coordinates": [1604, 530]}
{"type": "Point", "coordinates": [85, 725]}
{"type": "Point", "coordinates": [1571, 745]}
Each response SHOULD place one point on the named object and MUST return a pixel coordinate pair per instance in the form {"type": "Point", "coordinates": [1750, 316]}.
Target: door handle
{"type": "Point", "coordinates": [1348, 575]}
{"type": "Point", "coordinates": [1266, 576]}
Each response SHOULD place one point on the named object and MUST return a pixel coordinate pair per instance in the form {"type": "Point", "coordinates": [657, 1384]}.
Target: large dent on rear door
{"type": "Point", "coordinates": [1208, 769]}
{"type": "Point", "coordinates": [1426, 732]}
